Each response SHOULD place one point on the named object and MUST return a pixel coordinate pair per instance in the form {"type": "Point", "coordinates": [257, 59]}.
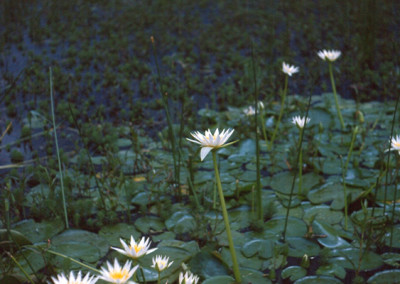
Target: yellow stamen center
{"type": "Point", "coordinates": [122, 274]}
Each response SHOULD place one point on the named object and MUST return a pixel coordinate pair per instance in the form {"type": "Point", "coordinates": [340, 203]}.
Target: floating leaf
{"type": "Point", "coordinates": [329, 237]}
{"type": "Point", "coordinates": [332, 270]}
{"type": "Point", "coordinates": [301, 246]}
{"type": "Point", "coordinates": [181, 222]}
{"type": "Point", "coordinates": [323, 213]}
{"type": "Point", "coordinates": [7, 241]}
{"type": "Point", "coordinates": [206, 265]}
{"type": "Point", "coordinates": [225, 279]}
{"type": "Point", "coordinates": [37, 232]}
{"type": "Point", "coordinates": [293, 273]}
{"type": "Point", "coordinates": [113, 233]}
{"type": "Point", "coordinates": [349, 258]}
{"type": "Point", "coordinates": [147, 223]}
{"type": "Point", "coordinates": [318, 280]}
{"type": "Point", "coordinates": [384, 277]}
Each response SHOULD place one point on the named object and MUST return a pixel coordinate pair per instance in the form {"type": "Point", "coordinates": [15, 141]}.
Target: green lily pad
{"type": "Point", "coordinates": [322, 213]}
{"type": "Point", "coordinates": [124, 142]}
{"type": "Point", "coordinates": [147, 223]}
{"type": "Point", "coordinates": [181, 222]}
{"type": "Point", "coordinates": [37, 232]}
{"type": "Point", "coordinates": [295, 227]}
{"type": "Point", "coordinates": [301, 246]}
{"type": "Point", "coordinates": [349, 258]}
{"type": "Point", "coordinates": [282, 182]}
{"type": "Point", "coordinates": [206, 265]}
{"type": "Point", "coordinates": [318, 280]}
{"type": "Point", "coordinates": [16, 237]}
{"type": "Point", "coordinates": [293, 273]}
{"type": "Point", "coordinates": [263, 247]}
{"type": "Point", "coordinates": [81, 245]}
{"type": "Point", "coordinates": [113, 233]}
{"type": "Point", "coordinates": [391, 258]}
{"type": "Point", "coordinates": [328, 236]}
{"type": "Point", "coordinates": [225, 279]}
{"type": "Point", "coordinates": [383, 277]}
{"type": "Point", "coordinates": [332, 269]}
{"type": "Point", "coordinates": [253, 276]}
{"type": "Point", "coordinates": [31, 260]}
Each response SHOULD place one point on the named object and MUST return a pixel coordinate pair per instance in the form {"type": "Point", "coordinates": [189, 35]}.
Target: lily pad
{"type": "Point", "coordinates": [301, 246]}
{"type": "Point", "coordinates": [181, 222]}
{"type": "Point", "coordinates": [81, 245]}
{"type": "Point", "coordinates": [206, 265]}
{"type": "Point", "coordinates": [328, 236]}
{"type": "Point", "coordinates": [318, 280]}
{"type": "Point", "coordinates": [322, 213]}
{"type": "Point", "coordinates": [225, 279]}
{"type": "Point", "coordinates": [383, 277]}
{"type": "Point", "coordinates": [332, 269]}
{"type": "Point", "coordinates": [282, 182]}
{"type": "Point", "coordinates": [293, 273]}
{"type": "Point", "coordinates": [147, 223]}
{"type": "Point", "coordinates": [113, 233]}
{"type": "Point", "coordinates": [349, 258]}
{"type": "Point", "coordinates": [37, 232]}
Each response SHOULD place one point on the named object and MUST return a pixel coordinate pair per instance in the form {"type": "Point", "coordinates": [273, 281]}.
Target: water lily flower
{"type": "Point", "coordinates": [135, 250]}
{"type": "Point", "coordinates": [249, 111]}
{"type": "Point", "coordinates": [160, 263]}
{"type": "Point", "coordinates": [188, 278]}
{"type": "Point", "coordinates": [289, 69]}
{"type": "Point", "coordinates": [62, 279]}
{"type": "Point", "coordinates": [300, 121]}
{"type": "Point", "coordinates": [330, 55]}
{"type": "Point", "coordinates": [210, 141]}
{"type": "Point", "coordinates": [395, 144]}
{"type": "Point", "coordinates": [118, 274]}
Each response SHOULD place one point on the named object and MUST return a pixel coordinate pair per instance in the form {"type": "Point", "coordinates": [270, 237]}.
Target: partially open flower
{"type": "Point", "coordinates": [289, 69]}
{"type": "Point", "coordinates": [300, 121]}
{"type": "Point", "coordinates": [330, 55]}
{"type": "Point", "coordinates": [210, 141]}
{"type": "Point", "coordinates": [135, 250]}
{"type": "Point", "coordinates": [160, 263]}
{"type": "Point", "coordinates": [62, 279]}
{"type": "Point", "coordinates": [188, 278]}
{"type": "Point", "coordinates": [118, 274]}
{"type": "Point", "coordinates": [395, 144]}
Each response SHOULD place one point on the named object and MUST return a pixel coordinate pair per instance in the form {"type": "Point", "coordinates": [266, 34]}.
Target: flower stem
{"type": "Point", "coordinates": [20, 267]}
{"type": "Point", "coordinates": [280, 113]}
{"type": "Point", "coordinates": [353, 138]}
{"type": "Point", "coordinates": [335, 95]}
{"type": "Point", "coordinates": [263, 128]}
{"type": "Point", "coordinates": [300, 165]}
{"type": "Point", "coordinates": [159, 277]}
{"type": "Point", "coordinates": [236, 271]}
{"type": "Point", "coordinates": [58, 151]}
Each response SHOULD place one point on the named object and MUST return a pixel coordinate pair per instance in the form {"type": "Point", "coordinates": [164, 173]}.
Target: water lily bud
{"type": "Point", "coordinates": [360, 116]}
{"type": "Point", "coordinates": [320, 127]}
{"type": "Point", "coordinates": [305, 261]}
{"type": "Point", "coordinates": [260, 105]}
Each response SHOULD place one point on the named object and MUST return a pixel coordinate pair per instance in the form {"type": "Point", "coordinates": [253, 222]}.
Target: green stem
{"type": "Point", "coordinates": [388, 157]}
{"type": "Point", "coordinates": [353, 138]}
{"type": "Point", "coordinates": [159, 277]}
{"type": "Point", "coordinates": [260, 214]}
{"type": "Point", "coordinates": [73, 260]}
{"type": "Point", "coordinates": [280, 113]}
{"type": "Point", "coordinates": [335, 95]}
{"type": "Point", "coordinates": [236, 271]}
{"type": "Point", "coordinates": [294, 177]}
{"type": "Point", "coordinates": [20, 267]}
{"type": "Point", "coordinates": [300, 169]}
{"type": "Point", "coordinates": [263, 128]}
{"type": "Point", "coordinates": [58, 151]}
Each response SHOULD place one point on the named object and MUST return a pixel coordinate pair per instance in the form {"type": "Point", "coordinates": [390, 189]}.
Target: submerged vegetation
{"type": "Point", "coordinates": [100, 98]}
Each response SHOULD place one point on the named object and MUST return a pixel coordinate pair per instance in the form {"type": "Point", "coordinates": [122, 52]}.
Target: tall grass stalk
{"type": "Point", "coordinates": [260, 213]}
{"type": "Point", "coordinates": [388, 156]}
{"type": "Point", "coordinates": [164, 99]}
{"type": "Point", "coordinates": [344, 174]}
{"type": "Point", "coordinates": [21, 268]}
{"type": "Point", "coordinates": [236, 271]}
{"type": "Point", "coordinates": [283, 98]}
{"type": "Point", "coordinates": [335, 95]}
{"type": "Point", "coordinates": [57, 150]}
{"type": "Point", "coordinates": [295, 174]}
{"type": "Point", "coordinates": [71, 259]}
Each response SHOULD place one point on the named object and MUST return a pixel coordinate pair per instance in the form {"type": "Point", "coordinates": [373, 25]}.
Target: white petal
{"type": "Point", "coordinates": [204, 152]}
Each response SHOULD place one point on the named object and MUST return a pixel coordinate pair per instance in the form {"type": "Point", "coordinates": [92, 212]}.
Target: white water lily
{"type": "Point", "coordinates": [300, 121]}
{"type": "Point", "coordinates": [118, 274]}
{"type": "Point", "coordinates": [62, 279]}
{"type": "Point", "coordinates": [160, 263]}
{"type": "Point", "coordinates": [249, 111]}
{"type": "Point", "coordinates": [135, 250]}
{"type": "Point", "coordinates": [395, 144]}
{"type": "Point", "coordinates": [289, 69]}
{"type": "Point", "coordinates": [210, 141]}
{"type": "Point", "coordinates": [188, 278]}
{"type": "Point", "coordinates": [330, 55]}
